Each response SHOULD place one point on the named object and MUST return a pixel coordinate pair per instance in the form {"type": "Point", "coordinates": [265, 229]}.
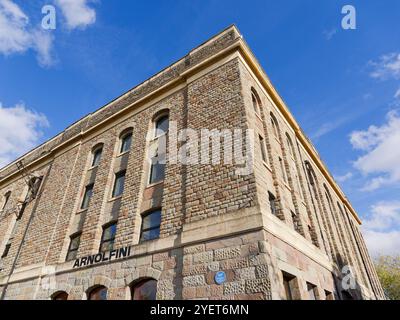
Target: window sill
{"type": "Point", "coordinates": [267, 166]}
{"type": "Point", "coordinates": [258, 116]}
{"type": "Point", "coordinates": [94, 167]}
{"type": "Point", "coordinates": [82, 210]}
{"type": "Point", "coordinates": [115, 198]}
{"type": "Point", "coordinates": [154, 184]}
{"type": "Point", "coordinates": [122, 154]}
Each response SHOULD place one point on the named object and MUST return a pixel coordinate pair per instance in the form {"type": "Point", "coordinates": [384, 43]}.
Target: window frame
{"type": "Point", "coordinates": [264, 154]}
{"type": "Point", "coordinates": [122, 138]}
{"type": "Point", "coordinates": [91, 185]}
{"type": "Point", "coordinates": [95, 151]}
{"type": "Point", "coordinates": [155, 122]}
{"type": "Point", "coordinates": [110, 240]}
{"type": "Point", "coordinates": [95, 290]}
{"type": "Point", "coordinates": [7, 197]}
{"type": "Point", "coordinates": [145, 215]}
{"type": "Point", "coordinates": [118, 175]}
{"type": "Point", "coordinates": [136, 285]}
{"type": "Point", "coordinates": [71, 238]}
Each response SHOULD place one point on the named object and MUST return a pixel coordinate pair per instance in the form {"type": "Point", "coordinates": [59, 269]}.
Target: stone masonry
{"type": "Point", "coordinates": [284, 222]}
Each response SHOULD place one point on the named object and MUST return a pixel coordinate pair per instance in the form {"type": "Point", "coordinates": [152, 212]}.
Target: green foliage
{"type": "Point", "coordinates": [388, 269]}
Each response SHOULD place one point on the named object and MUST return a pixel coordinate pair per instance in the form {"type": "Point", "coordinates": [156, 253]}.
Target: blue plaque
{"type": "Point", "coordinates": [220, 277]}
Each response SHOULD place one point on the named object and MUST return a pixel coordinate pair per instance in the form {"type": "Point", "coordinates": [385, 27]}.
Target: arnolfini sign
{"type": "Point", "coordinates": [103, 257]}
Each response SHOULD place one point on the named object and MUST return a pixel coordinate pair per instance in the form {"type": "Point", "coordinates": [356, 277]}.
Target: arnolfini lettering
{"type": "Point", "coordinates": [102, 257]}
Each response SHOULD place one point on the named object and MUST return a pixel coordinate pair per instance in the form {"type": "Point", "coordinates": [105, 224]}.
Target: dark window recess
{"type": "Point", "coordinates": [145, 290]}
{"type": "Point", "coordinates": [87, 196]}
{"type": "Point", "coordinates": [287, 283]}
{"type": "Point", "coordinates": [34, 186]}
{"type": "Point", "coordinates": [272, 203]}
{"type": "Point", "coordinates": [6, 198]}
{"type": "Point", "coordinates": [97, 157]}
{"type": "Point", "coordinates": [98, 293]}
{"type": "Point", "coordinates": [119, 184]}
{"type": "Point", "coordinates": [60, 296]}
{"type": "Point", "coordinates": [6, 250]}
{"type": "Point", "coordinates": [151, 225]}
{"type": "Point", "coordinates": [126, 143]}
{"type": "Point", "coordinates": [108, 237]}
{"type": "Point", "coordinates": [311, 289]}
{"type": "Point", "coordinates": [255, 103]}
{"type": "Point", "coordinates": [296, 223]}
{"type": "Point", "coordinates": [73, 247]}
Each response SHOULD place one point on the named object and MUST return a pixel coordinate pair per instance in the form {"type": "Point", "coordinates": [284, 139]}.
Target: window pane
{"type": "Point", "coordinates": [255, 104]}
{"type": "Point", "coordinates": [61, 296]}
{"type": "Point", "coordinates": [157, 172]}
{"type": "Point", "coordinates": [72, 255]}
{"type": "Point", "coordinates": [87, 196]}
{"type": "Point", "coordinates": [99, 293]}
{"type": "Point", "coordinates": [162, 125]}
{"type": "Point", "coordinates": [107, 246]}
{"type": "Point", "coordinates": [119, 184]}
{"type": "Point", "coordinates": [109, 232]}
{"type": "Point", "coordinates": [75, 241]}
{"type": "Point", "coordinates": [126, 143]}
{"type": "Point", "coordinates": [152, 220]}
{"type": "Point", "coordinates": [146, 290]}
{"type": "Point", "coordinates": [96, 157]}
{"type": "Point", "coordinates": [150, 234]}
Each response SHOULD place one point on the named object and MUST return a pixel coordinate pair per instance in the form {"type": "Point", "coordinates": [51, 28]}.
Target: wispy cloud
{"type": "Point", "coordinates": [77, 13]}
{"type": "Point", "coordinates": [328, 34]}
{"type": "Point", "coordinates": [387, 67]}
{"type": "Point", "coordinates": [382, 152]}
{"type": "Point", "coordinates": [382, 228]}
{"type": "Point", "coordinates": [17, 35]}
{"type": "Point", "coordinates": [344, 178]}
{"type": "Point", "coordinates": [20, 130]}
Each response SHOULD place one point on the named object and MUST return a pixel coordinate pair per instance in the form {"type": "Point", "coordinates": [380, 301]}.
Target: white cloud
{"type": "Point", "coordinates": [77, 13]}
{"type": "Point", "coordinates": [344, 177]}
{"type": "Point", "coordinates": [382, 152]}
{"type": "Point", "coordinates": [388, 66]}
{"type": "Point", "coordinates": [18, 36]}
{"type": "Point", "coordinates": [20, 130]}
{"type": "Point", "coordinates": [382, 228]}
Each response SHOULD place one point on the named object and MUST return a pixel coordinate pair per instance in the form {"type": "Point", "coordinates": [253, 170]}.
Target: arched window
{"type": "Point", "coordinates": [98, 293]}
{"type": "Point", "coordinates": [6, 198]}
{"type": "Point", "coordinates": [60, 295]}
{"type": "Point", "coordinates": [144, 290]}
{"type": "Point", "coordinates": [159, 146]}
{"type": "Point", "coordinates": [73, 246]}
{"type": "Point", "coordinates": [255, 100]}
{"type": "Point", "coordinates": [274, 124]}
{"type": "Point", "coordinates": [108, 237]}
{"type": "Point", "coordinates": [151, 222]}
{"type": "Point", "coordinates": [96, 155]}
{"type": "Point", "coordinates": [290, 145]}
{"type": "Point", "coordinates": [126, 142]}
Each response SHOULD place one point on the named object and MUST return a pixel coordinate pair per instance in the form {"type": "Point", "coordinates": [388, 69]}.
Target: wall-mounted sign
{"type": "Point", "coordinates": [220, 277]}
{"type": "Point", "coordinates": [103, 257]}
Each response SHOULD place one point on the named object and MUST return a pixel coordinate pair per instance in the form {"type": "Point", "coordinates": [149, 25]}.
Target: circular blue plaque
{"type": "Point", "coordinates": [220, 277]}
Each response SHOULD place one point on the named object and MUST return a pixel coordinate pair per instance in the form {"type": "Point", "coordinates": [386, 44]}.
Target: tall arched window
{"type": "Point", "coordinates": [144, 290]}
{"type": "Point", "coordinates": [6, 199]}
{"type": "Point", "coordinates": [159, 146]}
{"type": "Point", "coordinates": [255, 101]}
{"type": "Point", "coordinates": [126, 141]}
{"type": "Point", "coordinates": [98, 293]}
{"type": "Point", "coordinates": [60, 295]}
{"type": "Point", "coordinates": [96, 155]}
{"type": "Point", "coordinates": [290, 145]}
{"type": "Point", "coordinates": [274, 124]}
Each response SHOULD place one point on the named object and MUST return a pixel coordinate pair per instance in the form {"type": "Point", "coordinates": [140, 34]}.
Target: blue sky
{"type": "Point", "coordinates": [343, 86]}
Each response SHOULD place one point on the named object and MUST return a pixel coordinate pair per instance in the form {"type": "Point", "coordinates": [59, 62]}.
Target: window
{"type": "Point", "coordinates": [328, 295]}
{"type": "Point", "coordinates": [98, 293]}
{"type": "Point", "coordinates": [162, 125]}
{"type": "Point", "coordinates": [272, 203]}
{"type": "Point", "coordinates": [6, 250]}
{"type": "Point", "coordinates": [290, 145]}
{"type": "Point", "coordinates": [296, 223]}
{"type": "Point", "coordinates": [282, 169]}
{"type": "Point", "coordinates": [87, 196]}
{"type": "Point", "coordinates": [97, 156]}
{"type": "Point", "coordinates": [274, 126]}
{"type": "Point", "coordinates": [119, 184]}
{"type": "Point", "coordinates": [144, 290]}
{"type": "Point", "coordinates": [312, 291]}
{"type": "Point", "coordinates": [262, 146]}
{"type": "Point", "coordinates": [34, 185]}
{"type": "Point", "coordinates": [60, 296]}
{"type": "Point", "coordinates": [157, 169]}
{"type": "Point", "coordinates": [287, 284]}
{"type": "Point", "coordinates": [151, 225]}
{"type": "Point", "coordinates": [6, 198]}
{"type": "Point", "coordinates": [126, 142]}
{"type": "Point", "coordinates": [255, 103]}
{"type": "Point", "coordinates": [73, 247]}
{"type": "Point", "coordinates": [108, 237]}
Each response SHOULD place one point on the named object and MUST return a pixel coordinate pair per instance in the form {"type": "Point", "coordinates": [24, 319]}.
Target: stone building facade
{"type": "Point", "coordinates": [87, 214]}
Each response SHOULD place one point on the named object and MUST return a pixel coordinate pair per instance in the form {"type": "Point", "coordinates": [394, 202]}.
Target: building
{"type": "Point", "coordinates": [94, 213]}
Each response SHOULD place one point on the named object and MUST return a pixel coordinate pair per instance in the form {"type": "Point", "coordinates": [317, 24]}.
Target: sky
{"type": "Point", "coordinates": [343, 86]}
